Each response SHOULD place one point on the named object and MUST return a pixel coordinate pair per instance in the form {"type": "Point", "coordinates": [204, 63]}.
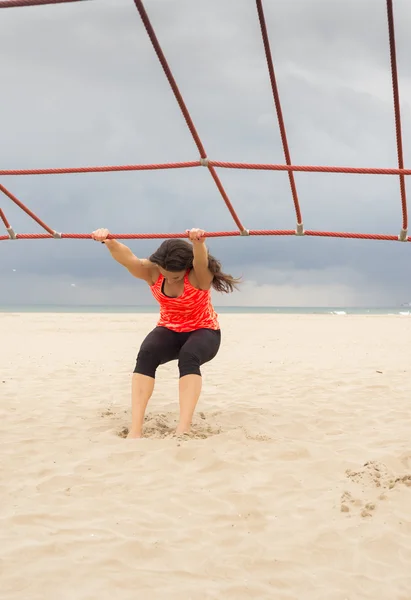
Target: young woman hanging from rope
{"type": "Point", "coordinates": [180, 276]}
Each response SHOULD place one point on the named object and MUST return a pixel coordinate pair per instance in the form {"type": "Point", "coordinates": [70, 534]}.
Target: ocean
{"type": "Point", "coordinates": [52, 308]}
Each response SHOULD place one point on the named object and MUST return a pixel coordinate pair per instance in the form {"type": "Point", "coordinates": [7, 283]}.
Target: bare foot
{"type": "Point", "coordinates": [134, 435]}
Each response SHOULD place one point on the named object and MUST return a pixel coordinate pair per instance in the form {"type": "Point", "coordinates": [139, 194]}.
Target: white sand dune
{"type": "Point", "coordinates": [296, 482]}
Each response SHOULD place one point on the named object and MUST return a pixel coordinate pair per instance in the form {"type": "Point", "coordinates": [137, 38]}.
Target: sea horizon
{"type": "Point", "coordinates": [134, 309]}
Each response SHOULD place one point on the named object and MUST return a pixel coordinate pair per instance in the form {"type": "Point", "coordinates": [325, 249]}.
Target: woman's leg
{"type": "Point", "coordinates": [142, 387]}
{"type": "Point", "coordinates": [201, 347]}
{"type": "Point", "coordinates": [159, 347]}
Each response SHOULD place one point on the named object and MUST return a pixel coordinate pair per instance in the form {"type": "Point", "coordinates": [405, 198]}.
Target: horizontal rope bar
{"type": "Point", "coordinates": [21, 3]}
{"type": "Point", "coordinates": [308, 168]}
{"type": "Point", "coordinates": [104, 169]}
{"type": "Point", "coordinates": [215, 234]}
{"type": "Point", "coordinates": [213, 163]}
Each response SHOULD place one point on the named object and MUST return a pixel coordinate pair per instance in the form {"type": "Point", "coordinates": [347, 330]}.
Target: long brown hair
{"type": "Point", "coordinates": [177, 255]}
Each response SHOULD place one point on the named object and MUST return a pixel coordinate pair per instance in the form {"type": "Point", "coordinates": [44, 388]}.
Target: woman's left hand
{"type": "Point", "coordinates": [197, 236]}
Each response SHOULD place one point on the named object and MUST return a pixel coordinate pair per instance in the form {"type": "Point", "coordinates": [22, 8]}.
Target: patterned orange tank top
{"type": "Point", "coordinates": [191, 311]}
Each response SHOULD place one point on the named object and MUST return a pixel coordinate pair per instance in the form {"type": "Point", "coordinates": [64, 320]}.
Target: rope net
{"type": "Point", "coordinates": [212, 165]}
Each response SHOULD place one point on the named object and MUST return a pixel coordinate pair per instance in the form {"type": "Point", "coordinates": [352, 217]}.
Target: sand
{"type": "Point", "coordinates": [296, 482]}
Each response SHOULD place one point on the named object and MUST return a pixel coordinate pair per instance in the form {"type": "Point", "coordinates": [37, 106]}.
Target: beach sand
{"type": "Point", "coordinates": [296, 482]}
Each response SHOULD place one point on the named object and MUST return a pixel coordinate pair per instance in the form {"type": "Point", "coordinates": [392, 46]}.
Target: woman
{"type": "Point", "coordinates": [180, 276]}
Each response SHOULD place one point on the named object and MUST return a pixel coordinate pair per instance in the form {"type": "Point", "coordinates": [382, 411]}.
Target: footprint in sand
{"type": "Point", "coordinates": [348, 502]}
{"type": "Point", "coordinates": [376, 480]}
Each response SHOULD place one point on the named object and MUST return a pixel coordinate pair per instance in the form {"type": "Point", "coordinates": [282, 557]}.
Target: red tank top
{"type": "Point", "coordinates": [191, 311]}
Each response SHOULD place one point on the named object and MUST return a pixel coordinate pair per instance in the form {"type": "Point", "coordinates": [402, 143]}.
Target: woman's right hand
{"type": "Point", "coordinates": [100, 235]}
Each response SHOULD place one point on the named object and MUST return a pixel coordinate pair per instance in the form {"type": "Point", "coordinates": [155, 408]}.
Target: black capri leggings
{"type": "Point", "coordinates": [192, 349]}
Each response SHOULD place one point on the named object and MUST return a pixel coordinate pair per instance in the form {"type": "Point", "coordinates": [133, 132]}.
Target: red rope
{"type": "Point", "coordinates": [4, 219]}
{"type": "Point", "coordinates": [401, 172]}
{"type": "Point", "coordinates": [16, 3]}
{"type": "Point", "coordinates": [396, 94]}
{"type": "Point", "coordinates": [104, 169]}
{"type": "Point", "coordinates": [25, 209]}
{"type": "Point", "coordinates": [309, 168]}
{"type": "Point", "coordinates": [170, 77]}
{"type": "Point", "coordinates": [213, 163]}
{"type": "Point", "coordinates": [277, 103]}
{"type": "Point", "coordinates": [214, 234]}
{"type": "Point", "coordinates": [156, 45]}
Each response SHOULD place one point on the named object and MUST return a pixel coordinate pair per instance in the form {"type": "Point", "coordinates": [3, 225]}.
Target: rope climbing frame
{"type": "Point", "coordinates": [213, 165]}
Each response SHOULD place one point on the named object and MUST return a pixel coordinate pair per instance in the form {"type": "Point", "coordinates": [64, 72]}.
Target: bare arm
{"type": "Point", "coordinates": [200, 263]}
{"type": "Point", "coordinates": [138, 267]}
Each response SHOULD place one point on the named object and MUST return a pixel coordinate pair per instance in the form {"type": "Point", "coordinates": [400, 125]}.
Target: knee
{"type": "Point", "coordinates": [188, 363]}
{"type": "Point", "coordinates": [147, 362]}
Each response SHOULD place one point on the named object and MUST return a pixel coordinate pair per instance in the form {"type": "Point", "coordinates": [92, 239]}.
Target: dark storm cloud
{"type": "Point", "coordinates": [84, 86]}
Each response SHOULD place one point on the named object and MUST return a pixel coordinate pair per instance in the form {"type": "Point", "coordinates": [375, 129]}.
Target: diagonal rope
{"type": "Point", "coordinates": [156, 45]}
{"type": "Point", "coordinates": [27, 211]}
{"type": "Point", "coordinates": [277, 103]}
{"type": "Point", "coordinates": [4, 219]}
{"type": "Point", "coordinates": [10, 230]}
{"type": "Point", "coordinates": [17, 3]}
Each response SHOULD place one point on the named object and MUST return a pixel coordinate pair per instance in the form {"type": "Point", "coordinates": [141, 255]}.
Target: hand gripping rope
{"type": "Point", "coordinates": [212, 165]}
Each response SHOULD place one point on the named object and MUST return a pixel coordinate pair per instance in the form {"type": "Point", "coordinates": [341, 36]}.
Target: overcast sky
{"type": "Point", "coordinates": [81, 85]}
